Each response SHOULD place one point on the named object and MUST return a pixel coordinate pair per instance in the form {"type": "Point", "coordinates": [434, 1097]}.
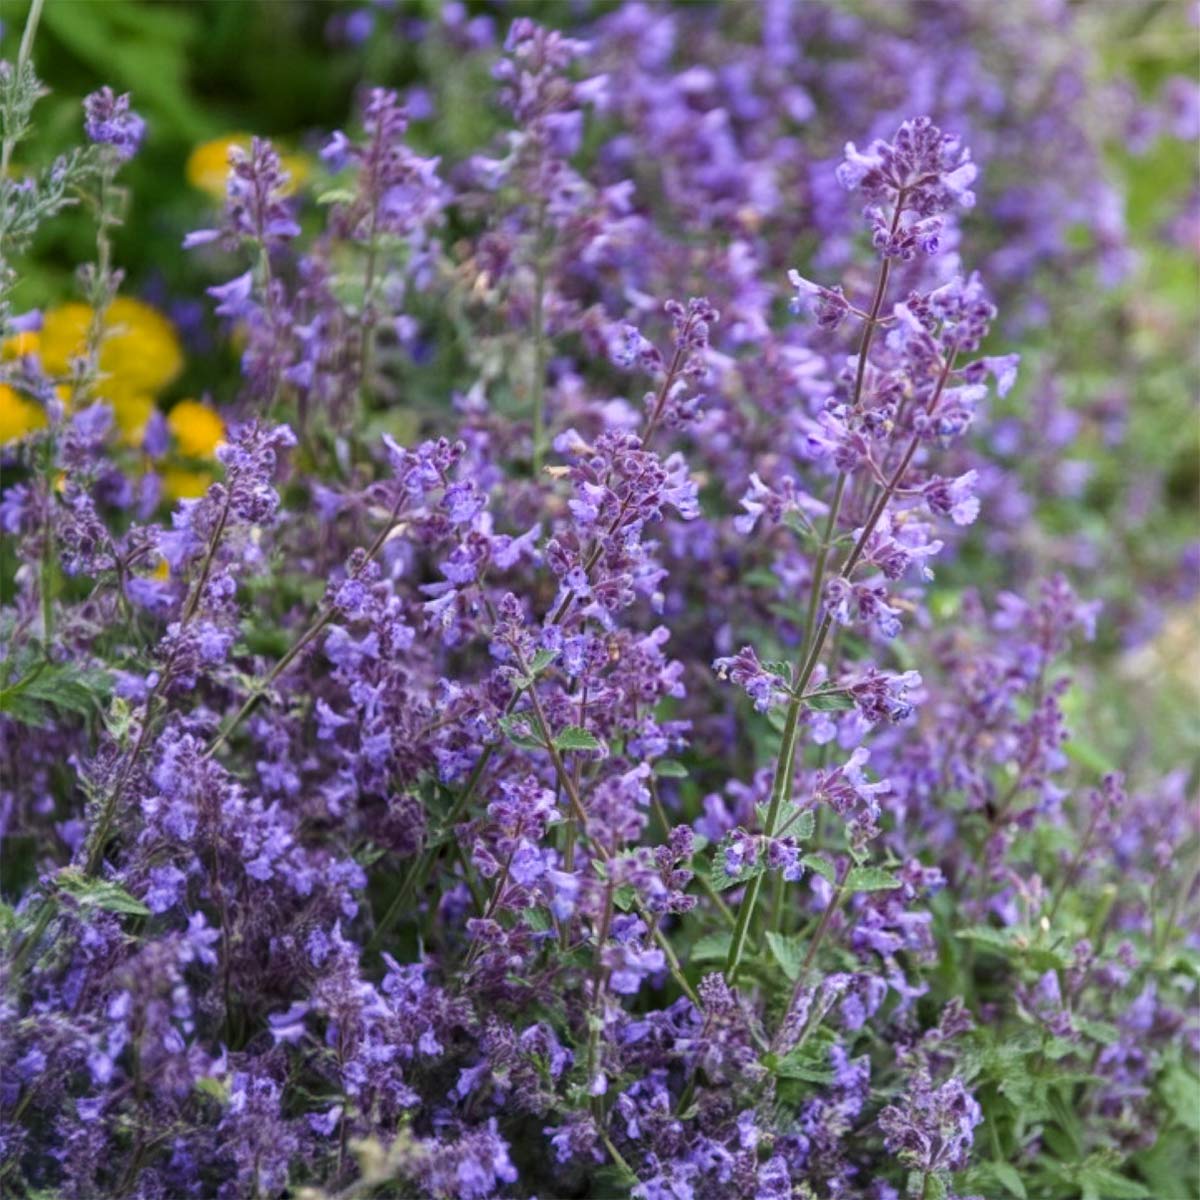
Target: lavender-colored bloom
{"type": "Point", "coordinates": [110, 121]}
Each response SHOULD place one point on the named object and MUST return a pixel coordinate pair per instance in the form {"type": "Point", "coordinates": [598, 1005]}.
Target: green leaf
{"type": "Point", "coordinates": [821, 865]}
{"type": "Point", "coordinates": [788, 952]}
{"type": "Point", "coordinates": [336, 196]}
{"type": "Point", "coordinates": [1009, 1178]}
{"type": "Point", "coordinates": [720, 878]}
{"type": "Point", "coordinates": [711, 947]}
{"type": "Point", "coordinates": [50, 687]}
{"type": "Point", "coordinates": [829, 701]}
{"type": "Point", "coordinates": [799, 825]}
{"type": "Point", "coordinates": [792, 820]}
{"type": "Point", "coordinates": [668, 768]}
{"type": "Point", "coordinates": [801, 1064]}
{"type": "Point", "coordinates": [574, 738]}
{"type": "Point", "coordinates": [934, 1188]}
{"type": "Point", "coordinates": [993, 939]}
{"type": "Point", "coordinates": [613, 1180]}
{"type": "Point", "coordinates": [1100, 1183]}
{"type": "Point", "coordinates": [217, 1089]}
{"type": "Point", "coordinates": [100, 893]}
{"type": "Point", "coordinates": [541, 660]}
{"type": "Point", "coordinates": [1100, 1031]}
{"type": "Point", "coordinates": [517, 730]}
{"type": "Point", "coordinates": [760, 577]}
{"type": "Point", "coordinates": [870, 879]}
{"type": "Point", "coordinates": [799, 524]}
{"type": "Point", "coordinates": [1180, 1090]}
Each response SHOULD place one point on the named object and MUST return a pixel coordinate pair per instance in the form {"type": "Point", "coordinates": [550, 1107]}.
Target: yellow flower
{"type": "Point", "coordinates": [181, 484]}
{"type": "Point", "coordinates": [208, 165]}
{"type": "Point", "coordinates": [197, 428]}
{"type": "Point", "coordinates": [130, 414]}
{"type": "Point", "coordinates": [18, 416]}
{"type": "Point", "coordinates": [139, 350]}
{"type": "Point", "coordinates": [19, 345]}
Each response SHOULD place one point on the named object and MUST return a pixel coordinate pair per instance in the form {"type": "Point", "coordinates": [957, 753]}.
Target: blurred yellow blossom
{"type": "Point", "coordinates": [208, 165]}
{"type": "Point", "coordinates": [182, 484]}
{"type": "Point", "coordinates": [139, 352]}
{"type": "Point", "coordinates": [198, 429]}
{"type": "Point", "coordinates": [20, 344]}
{"type": "Point", "coordinates": [130, 414]}
{"type": "Point", "coordinates": [18, 416]}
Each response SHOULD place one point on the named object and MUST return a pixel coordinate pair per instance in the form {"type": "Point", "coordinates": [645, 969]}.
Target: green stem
{"type": "Point", "coordinates": [785, 763]}
{"type": "Point", "coordinates": [323, 618]}
{"type": "Point", "coordinates": [26, 48]}
{"type": "Point", "coordinates": [424, 862]}
{"type": "Point", "coordinates": [810, 957]}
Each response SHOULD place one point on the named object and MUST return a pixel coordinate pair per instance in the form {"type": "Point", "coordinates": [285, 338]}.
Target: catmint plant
{"type": "Point", "coordinates": [579, 710]}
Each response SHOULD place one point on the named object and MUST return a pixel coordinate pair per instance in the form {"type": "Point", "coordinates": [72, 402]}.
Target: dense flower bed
{"type": "Point", "coordinates": [646, 770]}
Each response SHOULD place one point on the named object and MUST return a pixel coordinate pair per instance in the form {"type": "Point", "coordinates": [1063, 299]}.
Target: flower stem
{"type": "Point", "coordinates": [785, 763]}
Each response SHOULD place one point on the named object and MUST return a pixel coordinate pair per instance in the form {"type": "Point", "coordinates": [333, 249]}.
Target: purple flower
{"type": "Point", "coordinates": [763, 686]}
{"type": "Point", "coordinates": [109, 121]}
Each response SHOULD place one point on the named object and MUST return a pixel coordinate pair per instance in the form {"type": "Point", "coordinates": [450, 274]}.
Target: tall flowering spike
{"type": "Point", "coordinates": [934, 1128]}
{"type": "Point", "coordinates": [922, 172]}
{"type": "Point", "coordinates": [932, 170]}
{"type": "Point", "coordinates": [109, 121]}
{"type": "Point", "coordinates": [397, 192]}
{"type": "Point", "coordinates": [256, 208]}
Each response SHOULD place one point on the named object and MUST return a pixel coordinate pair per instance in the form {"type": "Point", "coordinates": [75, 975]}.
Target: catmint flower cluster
{"type": "Point", "coordinates": [111, 122]}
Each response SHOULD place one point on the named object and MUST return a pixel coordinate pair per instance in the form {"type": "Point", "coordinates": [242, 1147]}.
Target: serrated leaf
{"type": "Point", "coordinates": [788, 952]}
{"type": "Point", "coordinates": [517, 730]}
{"type": "Point", "coordinates": [575, 738]}
{"type": "Point", "coordinates": [830, 701]}
{"type": "Point", "coordinates": [870, 879]}
{"type": "Point", "coordinates": [799, 825]}
{"type": "Point", "coordinates": [668, 768]}
{"type": "Point", "coordinates": [100, 893]}
{"type": "Point", "coordinates": [822, 866]}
